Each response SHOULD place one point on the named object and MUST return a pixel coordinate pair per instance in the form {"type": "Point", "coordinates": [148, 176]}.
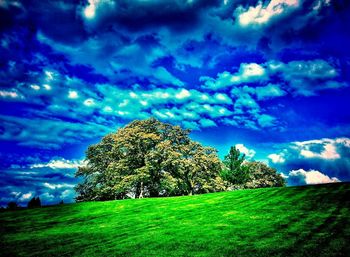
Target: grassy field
{"type": "Point", "coordinates": [294, 221]}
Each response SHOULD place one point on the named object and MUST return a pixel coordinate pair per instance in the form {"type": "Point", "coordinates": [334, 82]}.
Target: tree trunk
{"type": "Point", "coordinates": [141, 190]}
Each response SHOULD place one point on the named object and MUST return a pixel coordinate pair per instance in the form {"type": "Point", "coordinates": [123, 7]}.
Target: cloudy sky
{"type": "Point", "coordinates": [271, 77]}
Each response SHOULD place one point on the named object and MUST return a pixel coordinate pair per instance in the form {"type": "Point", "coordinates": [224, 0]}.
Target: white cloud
{"type": "Point", "coordinates": [244, 101]}
{"type": "Point", "coordinates": [249, 70]}
{"type": "Point", "coordinates": [49, 75]}
{"type": "Point", "coordinates": [60, 164]}
{"type": "Point", "coordinates": [25, 197]}
{"type": "Point", "coordinates": [276, 158]}
{"type": "Point", "coordinates": [107, 109]}
{"type": "Point", "coordinates": [299, 77]}
{"type": "Point", "coordinates": [325, 148]}
{"type": "Point", "coordinates": [269, 91]}
{"type": "Point", "coordinates": [311, 177]}
{"type": "Point", "coordinates": [262, 14]}
{"type": "Point", "coordinates": [223, 98]}
{"type": "Point", "coordinates": [249, 153]}
{"type": "Point", "coordinates": [47, 86]}
{"type": "Point", "coordinates": [9, 94]}
{"type": "Point", "coordinates": [183, 94]}
{"type": "Point", "coordinates": [89, 102]}
{"type": "Point", "coordinates": [35, 87]}
{"type": "Point", "coordinates": [247, 73]}
{"type": "Point", "coordinates": [90, 11]}
{"type": "Point", "coordinates": [57, 186]}
{"type": "Point", "coordinates": [73, 94]}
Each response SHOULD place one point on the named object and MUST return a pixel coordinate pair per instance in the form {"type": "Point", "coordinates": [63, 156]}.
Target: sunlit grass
{"type": "Point", "coordinates": [295, 221]}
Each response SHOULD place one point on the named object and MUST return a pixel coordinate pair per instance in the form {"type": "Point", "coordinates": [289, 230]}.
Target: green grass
{"type": "Point", "coordinates": [294, 221]}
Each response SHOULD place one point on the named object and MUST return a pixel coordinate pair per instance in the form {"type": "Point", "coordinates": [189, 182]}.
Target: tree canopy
{"type": "Point", "coordinates": [148, 158]}
{"type": "Point", "coordinates": [261, 175]}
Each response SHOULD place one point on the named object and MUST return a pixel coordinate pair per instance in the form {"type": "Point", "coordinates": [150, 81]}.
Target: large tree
{"type": "Point", "coordinates": [148, 158]}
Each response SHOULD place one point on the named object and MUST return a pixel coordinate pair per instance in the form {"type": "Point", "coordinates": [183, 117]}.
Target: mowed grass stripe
{"type": "Point", "coordinates": [293, 221]}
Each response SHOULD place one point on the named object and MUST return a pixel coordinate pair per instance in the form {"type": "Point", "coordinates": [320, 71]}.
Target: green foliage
{"type": "Point", "coordinates": [239, 173]}
{"type": "Point", "coordinates": [290, 221]}
{"type": "Point", "coordinates": [148, 159]}
{"type": "Point", "coordinates": [233, 171]}
{"type": "Point", "coordinates": [261, 175]}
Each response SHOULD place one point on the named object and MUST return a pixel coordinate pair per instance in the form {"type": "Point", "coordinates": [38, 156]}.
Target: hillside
{"type": "Point", "coordinates": [294, 221]}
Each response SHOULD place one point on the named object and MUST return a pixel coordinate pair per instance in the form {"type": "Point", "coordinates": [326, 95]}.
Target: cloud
{"type": "Point", "coordinates": [249, 153]}
{"type": "Point", "coordinates": [57, 186]}
{"type": "Point", "coordinates": [300, 77]}
{"type": "Point", "coordinates": [140, 15]}
{"type": "Point", "coordinates": [51, 134]}
{"type": "Point", "coordinates": [183, 94]}
{"type": "Point", "coordinates": [68, 104]}
{"type": "Point", "coordinates": [25, 197]}
{"type": "Point", "coordinates": [276, 158]}
{"type": "Point", "coordinates": [59, 164]}
{"type": "Point", "coordinates": [307, 77]}
{"type": "Point", "coordinates": [262, 14]}
{"type": "Point", "coordinates": [130, 61]}
{"type": "Point", "coordinates": [73, 94]}
{"type": "Point", "coordinates": [52, 182]}
{"type": "Point", "coordinates": [9, 94]}
{"type": "Point", "coordinates": [323, 148]}
{"type": "Point", "coordinates": [310, 177]}
{"type": "Point", "coordinates": [94, 6]}
{"type": "Point", "coordinates": [265, 120]}
{"type": "Point", "coordinates": [247, 73]}
{"type": "Point", "coordinates": [268, 92]}
{"type": "Point", "coordinates": [207, 123]}
{"type": "Point", "coordinates": [327, 154]}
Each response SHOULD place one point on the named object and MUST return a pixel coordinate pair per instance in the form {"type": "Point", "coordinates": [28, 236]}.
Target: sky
{"type": "Point", "coordinates": [269, 77]}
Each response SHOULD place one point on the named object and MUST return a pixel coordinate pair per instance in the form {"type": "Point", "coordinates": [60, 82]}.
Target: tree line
{"type": "Point", "coordinates": [35, 202]}
{"type": "Point", "coordinates": [149, 158]}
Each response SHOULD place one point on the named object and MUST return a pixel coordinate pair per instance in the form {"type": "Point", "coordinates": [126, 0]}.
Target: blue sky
{"type": "Point", "coordinates": [271, 77]}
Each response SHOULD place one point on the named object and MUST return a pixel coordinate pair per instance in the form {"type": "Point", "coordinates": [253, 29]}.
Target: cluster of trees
{"type": "Point", "coordinates": [34, 203]}
{"type": "Point", "coordinates": [150, 158]}
{"type": "Point", "coordinates": [239, 173]}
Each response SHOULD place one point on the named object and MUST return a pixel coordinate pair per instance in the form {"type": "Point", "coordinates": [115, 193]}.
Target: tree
{"type": "Point", "coordinates": [34, 203]}
{"type": "Point", "coordinates": [12, 206]}
{"type": "Point", "coordinates": [261, 175]}
{"type": "Point", "coordinates": [148, 158]}
{"type": "Point", "coordinates": [239, 173]}
{"type": "Point", "coordinates": [233, 170]}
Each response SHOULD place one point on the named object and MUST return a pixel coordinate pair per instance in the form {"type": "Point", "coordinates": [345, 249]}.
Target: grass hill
{"type": "Point", "coordinates": [293, 221]}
